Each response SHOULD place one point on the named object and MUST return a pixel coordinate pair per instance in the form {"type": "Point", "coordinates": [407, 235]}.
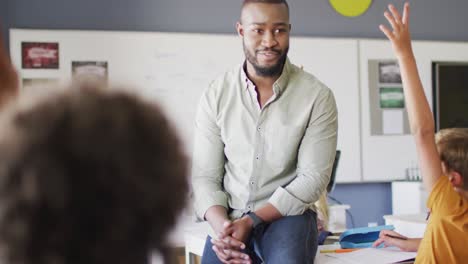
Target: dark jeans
{"type": "Point", "coordinates": [290, 239]}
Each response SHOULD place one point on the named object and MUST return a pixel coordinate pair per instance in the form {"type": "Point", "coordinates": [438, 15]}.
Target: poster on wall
{"type": "Point", "coordinates": [40, 55]}
{"type": "Point", "coordinates": [391, 97]}
{"type": "Point", "coordinates": [388, 115]}
{"type": "Point", "coordinates": [389, 72]}
{"type": "Point", "coordinates": [90, 70]}
{"type": "Point", "coordinates": [38, 86]}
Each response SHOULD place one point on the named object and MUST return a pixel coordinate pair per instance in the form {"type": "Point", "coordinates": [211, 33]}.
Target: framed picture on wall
{"type": "Point", "coordinates": [391, 97]}
{"type": "Point", "coordinates": [389, 72]}
{"type": "Point", "coordinates": [40, 55]}
{"type": "Point", "coordinates": [386, 99]}
{"type": "Point", "coordinates": [31, 83]}
{"type": "Point", "coordinates": [90, 70]}
{"type": "Point", "coordinates": [39, 86]}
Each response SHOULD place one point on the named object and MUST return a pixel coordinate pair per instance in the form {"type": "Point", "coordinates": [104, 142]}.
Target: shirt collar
{"type": "Point", "coordinates": [245, 79]}
{"type": "Point", "coordinates": [280, 83]}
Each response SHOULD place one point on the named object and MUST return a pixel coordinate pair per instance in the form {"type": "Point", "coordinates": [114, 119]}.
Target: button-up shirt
{"type": "Point", "coordinates": [246, 156]}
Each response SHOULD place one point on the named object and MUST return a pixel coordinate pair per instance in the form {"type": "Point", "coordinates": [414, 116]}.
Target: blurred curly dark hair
{"type": "Point", "coordinates": [88, 176]}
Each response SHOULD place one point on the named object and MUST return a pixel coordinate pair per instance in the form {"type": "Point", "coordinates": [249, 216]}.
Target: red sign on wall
{"type": "Point", "coordinates": [40, 55]}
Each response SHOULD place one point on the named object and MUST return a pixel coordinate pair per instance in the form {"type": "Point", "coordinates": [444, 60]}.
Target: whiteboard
{"type": "Point", "coordinates": [174, 68]}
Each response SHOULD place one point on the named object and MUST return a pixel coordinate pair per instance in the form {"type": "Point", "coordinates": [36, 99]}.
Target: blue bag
{"type": "Point", "coordinates": [362, 237]}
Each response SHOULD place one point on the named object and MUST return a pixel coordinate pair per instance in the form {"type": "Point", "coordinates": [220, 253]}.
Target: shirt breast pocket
{"type": "Point", "coordinates": [283, 146]}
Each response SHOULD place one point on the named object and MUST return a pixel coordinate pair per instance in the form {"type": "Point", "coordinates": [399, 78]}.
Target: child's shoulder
{"type": "Point", "coordinates": [444, 200]}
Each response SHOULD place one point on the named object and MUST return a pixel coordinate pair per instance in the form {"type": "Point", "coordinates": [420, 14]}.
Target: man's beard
{"type": "Point", "coordinates": [271, 71]}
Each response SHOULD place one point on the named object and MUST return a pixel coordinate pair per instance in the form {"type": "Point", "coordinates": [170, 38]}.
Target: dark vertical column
{"type": "Point", "coordinates": [4, 21]}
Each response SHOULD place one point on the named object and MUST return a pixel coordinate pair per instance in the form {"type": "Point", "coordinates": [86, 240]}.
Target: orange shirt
{"type": "Point", "coordinates": [446, 236]}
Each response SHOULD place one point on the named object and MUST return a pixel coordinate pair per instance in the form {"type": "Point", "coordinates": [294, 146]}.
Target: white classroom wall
{"type": "Point", "coordinates": [174, 68]}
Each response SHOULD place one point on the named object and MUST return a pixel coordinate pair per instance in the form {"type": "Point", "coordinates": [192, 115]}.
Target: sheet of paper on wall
{"type": "Point", "coordinates": [392, 122]}
{"type": "Point", "coordinates": [369, 255]}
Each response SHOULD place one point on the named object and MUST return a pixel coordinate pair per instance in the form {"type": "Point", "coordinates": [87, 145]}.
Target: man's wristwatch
{"type": "Point", "coordinates": [256, 220]}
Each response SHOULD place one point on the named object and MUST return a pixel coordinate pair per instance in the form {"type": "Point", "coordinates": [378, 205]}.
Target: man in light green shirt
{"type": "Point", "coordinates": [264, 148]}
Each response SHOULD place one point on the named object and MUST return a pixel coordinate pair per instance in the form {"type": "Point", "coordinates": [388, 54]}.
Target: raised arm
{"type": "Point", "coordinates": [419, 113]}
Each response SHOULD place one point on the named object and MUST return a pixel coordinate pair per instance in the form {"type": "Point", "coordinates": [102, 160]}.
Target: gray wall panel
{"type": "Point", "coordinates": [4, 21]}
{"type": "Point", "coordinates": [431, 19]}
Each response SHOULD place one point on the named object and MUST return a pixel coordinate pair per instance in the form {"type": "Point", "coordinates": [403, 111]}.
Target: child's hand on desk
{"type": "Point", "coordinates": [392, 238]}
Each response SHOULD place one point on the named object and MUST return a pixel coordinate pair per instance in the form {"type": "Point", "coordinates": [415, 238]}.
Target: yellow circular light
{"type": "Point", "coordinates": [351, 8]}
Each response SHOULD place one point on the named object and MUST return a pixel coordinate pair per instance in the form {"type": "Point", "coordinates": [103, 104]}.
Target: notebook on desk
{"type": "Point", "coordinates": [362, 237]}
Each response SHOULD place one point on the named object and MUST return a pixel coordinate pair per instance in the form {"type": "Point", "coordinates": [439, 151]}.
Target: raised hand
{"type": "Point", "coordinates": [400, 33]}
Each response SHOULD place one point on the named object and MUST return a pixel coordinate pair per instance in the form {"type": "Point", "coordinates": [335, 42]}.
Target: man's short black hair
{"type": "Point", "coordinates": [88, 176]}
{"type": "Point", "coordinates": [245, 2]}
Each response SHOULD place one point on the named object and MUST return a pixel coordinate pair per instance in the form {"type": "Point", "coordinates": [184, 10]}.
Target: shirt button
{"type": "Point", "coordinates": [257, 157]}
{"type": "Point", "coordinates": [252, 183]}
